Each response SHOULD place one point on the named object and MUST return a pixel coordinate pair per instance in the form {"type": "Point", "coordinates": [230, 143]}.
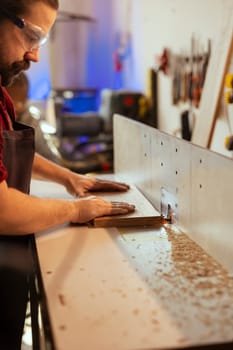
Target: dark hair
{"type": "Point", "coordinates": [19, 7]}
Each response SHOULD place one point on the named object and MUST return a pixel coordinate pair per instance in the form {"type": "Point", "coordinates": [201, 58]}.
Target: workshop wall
{"type": "Point", "coordinates": [92, 47]}
{"type": "Point", "coordinates": [69, 45]}
{"type": "Point", "coordinates": [81, 56]}
{"type": "Point", "coordinates": [40, 73]}
{"type": "Point", "coordinates": [136, 32]}
{"type": "Point", "coordinates": [158, 24]}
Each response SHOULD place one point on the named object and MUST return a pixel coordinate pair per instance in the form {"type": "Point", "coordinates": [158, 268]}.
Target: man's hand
{"type": "Point", "coordinates": [91, 207]}
{"type": "Point", "coordinates": [79, 185]}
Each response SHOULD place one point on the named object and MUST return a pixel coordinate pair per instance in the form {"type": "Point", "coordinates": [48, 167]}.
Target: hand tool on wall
{"type": "Point", "coordinates": [229, 101]}
{"type": "Point", "coordinates": [185, 125]}
{"type": "Point", "coordinates": [189, 74]}
{"type": "Point", "coordinates": [229, 86]}
{"type": "Point", "coordinates": [161, 64]}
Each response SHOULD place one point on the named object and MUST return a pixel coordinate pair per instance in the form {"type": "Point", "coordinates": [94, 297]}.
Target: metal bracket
{"type": "Point", "coordinates": [169, 206]}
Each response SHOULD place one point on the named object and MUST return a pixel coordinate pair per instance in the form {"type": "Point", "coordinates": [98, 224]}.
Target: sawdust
{"type": "Point", "coordinates": [196, 265]}
{"type": "Point", "coordinates": [193, 287]}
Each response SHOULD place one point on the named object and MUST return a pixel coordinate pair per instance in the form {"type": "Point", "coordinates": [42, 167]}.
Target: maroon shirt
{"type": "Point", "coordinates": [6, 114]}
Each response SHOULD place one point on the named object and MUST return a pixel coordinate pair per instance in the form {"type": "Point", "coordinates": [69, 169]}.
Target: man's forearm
{"type": "Point", "coordinates": [22, 214]}
{"type": "Point", "coordinates": [44, 169]}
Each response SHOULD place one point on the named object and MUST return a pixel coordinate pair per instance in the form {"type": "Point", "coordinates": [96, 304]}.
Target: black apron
{"type": "Point", "coordinates": [15, 256]}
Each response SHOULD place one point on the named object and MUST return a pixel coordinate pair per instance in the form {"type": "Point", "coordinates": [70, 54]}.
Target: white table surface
{"type": "Point", "coordinates": [131, 288]}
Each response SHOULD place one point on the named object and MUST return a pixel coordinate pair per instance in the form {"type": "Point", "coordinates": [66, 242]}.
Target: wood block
{"type": "Point", "coordinates": [145, 214]}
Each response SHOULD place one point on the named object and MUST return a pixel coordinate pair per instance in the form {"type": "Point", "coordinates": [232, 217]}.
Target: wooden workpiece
{"type": "Point", "coordinates": [144, 215]}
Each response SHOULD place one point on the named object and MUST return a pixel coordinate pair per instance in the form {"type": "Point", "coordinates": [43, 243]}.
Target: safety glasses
{"type": "Point", "coordinates": [33, 36]}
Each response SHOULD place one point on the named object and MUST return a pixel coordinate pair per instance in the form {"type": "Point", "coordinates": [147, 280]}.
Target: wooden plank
{"type": "Point", "coordinates": [145, 214]}
{"type": "Point", "coordinates": [117, 221]}
{"type": "Point", "coordinates": [213, 87]}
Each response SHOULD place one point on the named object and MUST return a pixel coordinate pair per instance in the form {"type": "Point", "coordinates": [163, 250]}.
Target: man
{"type": "Point", "coordinates": [24, 27]}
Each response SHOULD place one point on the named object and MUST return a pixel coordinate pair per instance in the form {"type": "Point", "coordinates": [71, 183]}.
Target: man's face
{"type": "Point", "coordinates": [15, 55]}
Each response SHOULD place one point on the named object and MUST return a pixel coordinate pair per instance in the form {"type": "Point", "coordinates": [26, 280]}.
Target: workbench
{"type": "Point", "coordinates": [164, 287]}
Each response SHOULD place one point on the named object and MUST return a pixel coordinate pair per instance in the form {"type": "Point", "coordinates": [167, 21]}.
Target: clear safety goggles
{"type": "Point", "coordinates": [33, 36]}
